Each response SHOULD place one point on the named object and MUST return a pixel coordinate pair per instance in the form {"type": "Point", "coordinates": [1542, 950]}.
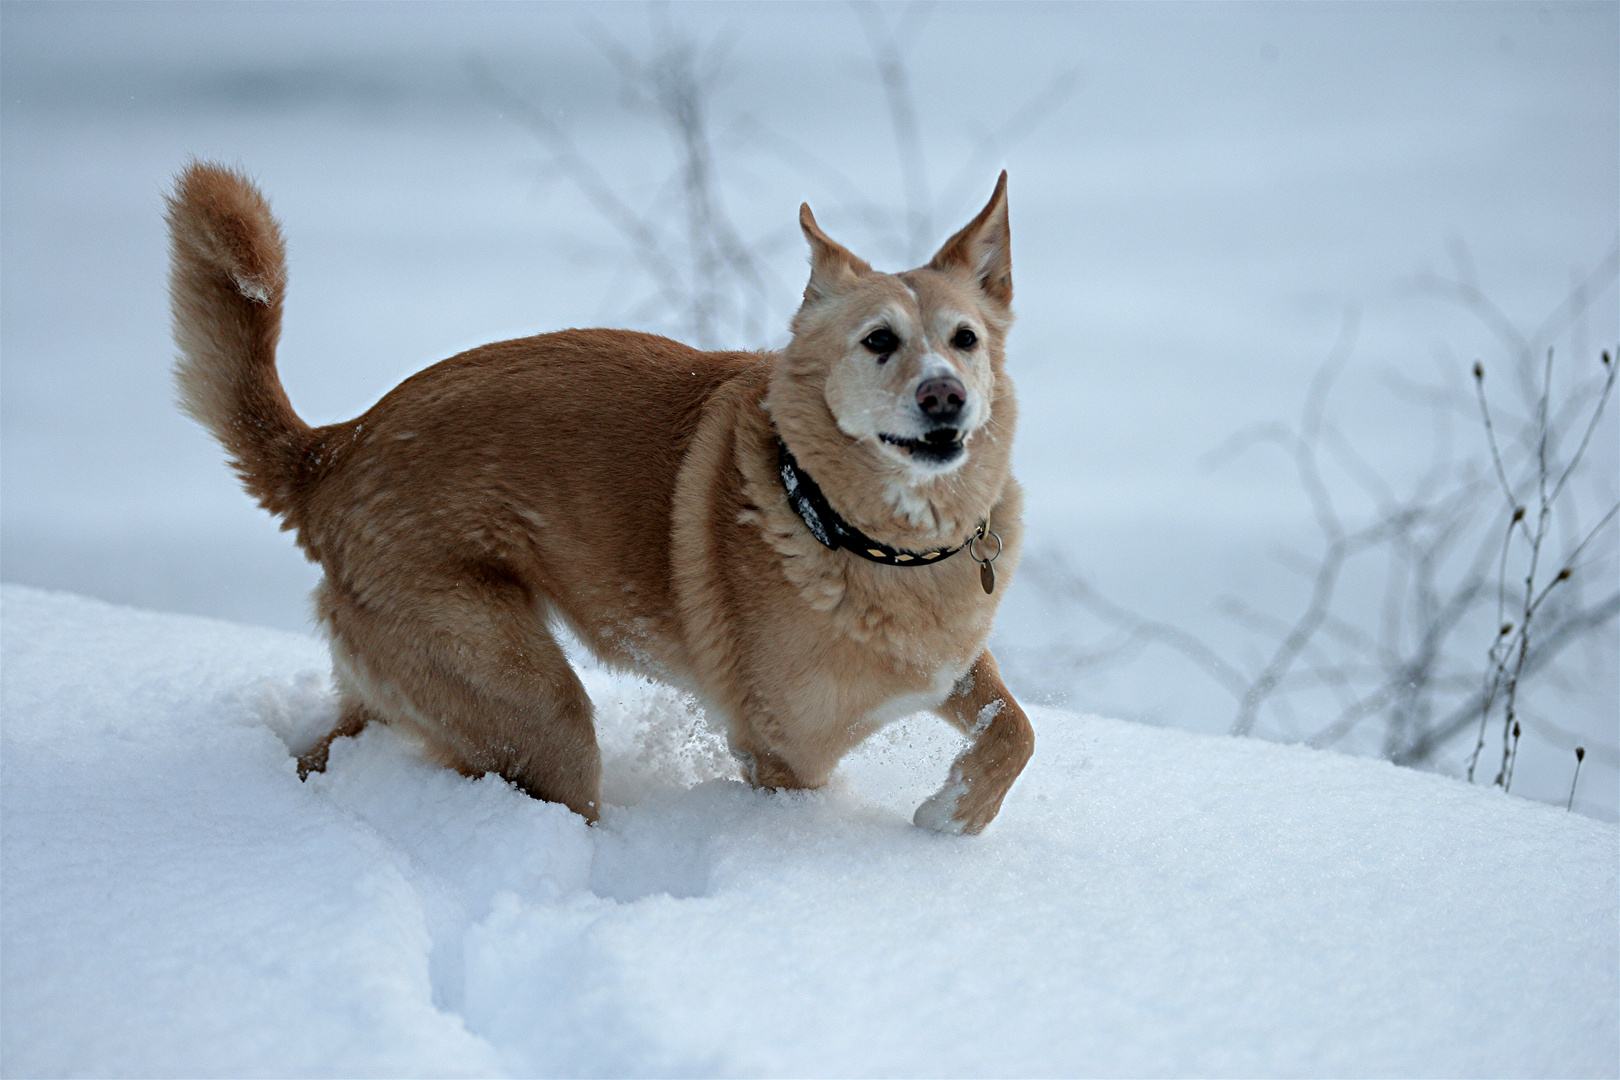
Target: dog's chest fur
{"type": "Point", "coordinates": [817, 647]}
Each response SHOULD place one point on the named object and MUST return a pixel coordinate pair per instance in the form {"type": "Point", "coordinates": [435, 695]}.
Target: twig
{"type": "Point", "coordinates": [896, 81]}
{"type": "Point", "coordinates": [1580, 756]}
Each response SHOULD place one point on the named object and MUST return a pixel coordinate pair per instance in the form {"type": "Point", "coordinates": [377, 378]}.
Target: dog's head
{"type": "Point", "coordinates": [906, 364]}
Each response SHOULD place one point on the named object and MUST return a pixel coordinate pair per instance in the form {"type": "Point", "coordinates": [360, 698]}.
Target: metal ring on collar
{"type": "Point", "coordinates": [981, 534]}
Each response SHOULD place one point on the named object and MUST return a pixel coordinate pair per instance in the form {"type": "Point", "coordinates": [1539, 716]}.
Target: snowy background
{"type": "Point", "coordinates": [1225, 197]}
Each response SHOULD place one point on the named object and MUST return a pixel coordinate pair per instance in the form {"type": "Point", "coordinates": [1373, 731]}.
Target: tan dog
{"type": "Point", "coordinates": [636, 491]}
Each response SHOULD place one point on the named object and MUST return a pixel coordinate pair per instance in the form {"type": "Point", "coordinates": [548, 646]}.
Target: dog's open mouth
{"type": "Point", "coordinates": [938, 446]}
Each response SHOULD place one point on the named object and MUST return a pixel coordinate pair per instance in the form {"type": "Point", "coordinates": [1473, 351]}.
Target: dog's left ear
{"type": "Point", "coordinates": [984, 248]}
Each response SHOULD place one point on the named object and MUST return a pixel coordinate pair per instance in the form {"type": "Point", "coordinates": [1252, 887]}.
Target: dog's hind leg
{"type": "Point", "coordinates": [762, 768]}
{"type": "Point", "coordinates": [478, 675]}
{"type": "Point", "coordinates": [351, 723]}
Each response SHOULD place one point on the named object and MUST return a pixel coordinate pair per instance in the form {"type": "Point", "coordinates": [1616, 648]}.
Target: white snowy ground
{"type": "Point", "coordinates": [1150, 902]}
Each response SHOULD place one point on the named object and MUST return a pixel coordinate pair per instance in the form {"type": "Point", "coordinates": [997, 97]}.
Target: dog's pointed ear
{"type": "Point", "coordinates": [832, 268]}
{"type": "Point", "coordinates": [984, 248]}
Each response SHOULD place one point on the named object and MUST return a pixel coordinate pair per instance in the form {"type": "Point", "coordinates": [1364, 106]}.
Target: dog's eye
{"type": "Point", "coordinates": [881, 341]}
{"type": "Point", "coordinates": [965, 339]}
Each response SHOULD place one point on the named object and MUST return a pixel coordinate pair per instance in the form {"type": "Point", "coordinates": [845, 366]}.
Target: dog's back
{"type": "Point", "coordinates": [547, 464]}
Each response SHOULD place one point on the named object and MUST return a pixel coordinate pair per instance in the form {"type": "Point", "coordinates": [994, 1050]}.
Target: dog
{"type": "Point", "coordinates": [812, 541]}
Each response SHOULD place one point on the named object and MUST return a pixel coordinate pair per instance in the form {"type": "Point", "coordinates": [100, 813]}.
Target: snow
{"type": "Point", "coordinates": [1149, 902]}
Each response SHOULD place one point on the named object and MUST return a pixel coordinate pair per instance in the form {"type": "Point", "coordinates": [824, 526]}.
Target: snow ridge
{"type": "Point", "coordinates": [1149, 902]}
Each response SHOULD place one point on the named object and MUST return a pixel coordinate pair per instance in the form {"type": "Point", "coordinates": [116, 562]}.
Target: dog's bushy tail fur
{"type": "Point", "coordinates": [227, 277]}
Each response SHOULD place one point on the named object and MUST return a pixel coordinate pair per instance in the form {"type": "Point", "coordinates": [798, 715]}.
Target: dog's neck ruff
{"type": "Point", "coordinates": [829, 527]}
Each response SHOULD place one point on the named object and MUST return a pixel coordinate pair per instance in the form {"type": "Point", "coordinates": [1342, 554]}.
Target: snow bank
{"type": "Point", "coordinates": [1149, 902]}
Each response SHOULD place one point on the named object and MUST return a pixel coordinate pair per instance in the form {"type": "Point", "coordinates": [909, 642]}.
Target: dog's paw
{"type": "Point", "coordinates": [941, 810]}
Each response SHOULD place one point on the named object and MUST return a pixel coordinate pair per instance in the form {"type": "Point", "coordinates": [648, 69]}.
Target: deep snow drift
{"type": "Point", "coordinates": [1149, 901]}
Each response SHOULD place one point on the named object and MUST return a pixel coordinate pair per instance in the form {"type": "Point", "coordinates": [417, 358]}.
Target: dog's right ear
{"type": "Point", "coordinates": [833, 269]}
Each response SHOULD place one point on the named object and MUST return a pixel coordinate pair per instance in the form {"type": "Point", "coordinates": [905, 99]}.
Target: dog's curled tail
{"type": "Point", "coordinates": [227, 276]}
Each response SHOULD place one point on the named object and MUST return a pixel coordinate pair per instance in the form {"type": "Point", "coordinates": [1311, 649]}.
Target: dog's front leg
{"type": "Point", "coordinates": [983, 773]}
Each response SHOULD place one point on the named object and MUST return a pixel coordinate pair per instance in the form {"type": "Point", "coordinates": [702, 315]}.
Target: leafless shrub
{"type": "Point", "coordinates": [703, 273]}
{"type": "Point", "coordinates": [1544, 598]}
{"type": "Point", "coordinates": [711, 284]}
{"type": "Point", "coordinates": [1492, 567]}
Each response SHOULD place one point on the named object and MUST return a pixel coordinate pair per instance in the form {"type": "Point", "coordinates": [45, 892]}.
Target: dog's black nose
{"type": "Point", "coordinates": [941, 399]}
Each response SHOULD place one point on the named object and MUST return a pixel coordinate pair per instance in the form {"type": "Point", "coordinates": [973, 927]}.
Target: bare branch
{"type": "Point", "coordinates": [1145, 629]}
{"type": "Point", "coordinates": [1586, 438]}
{"type": "Point", "coordinates": [567, 159]}
{"type": "Point", "coordinates": [1570, 630]}
{"type": "Point", "coordinates": [896, 83]}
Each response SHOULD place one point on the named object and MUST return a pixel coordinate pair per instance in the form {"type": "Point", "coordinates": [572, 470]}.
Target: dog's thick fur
{"type": "Point", "coordinates": [628, 486]}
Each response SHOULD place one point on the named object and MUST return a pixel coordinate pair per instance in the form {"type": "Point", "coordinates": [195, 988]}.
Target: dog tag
{"type": "Point", "coordinates": [987, 577]}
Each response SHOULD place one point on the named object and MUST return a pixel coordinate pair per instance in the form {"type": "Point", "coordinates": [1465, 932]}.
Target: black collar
{"type": "Point", "coordinates": [834, 532]}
